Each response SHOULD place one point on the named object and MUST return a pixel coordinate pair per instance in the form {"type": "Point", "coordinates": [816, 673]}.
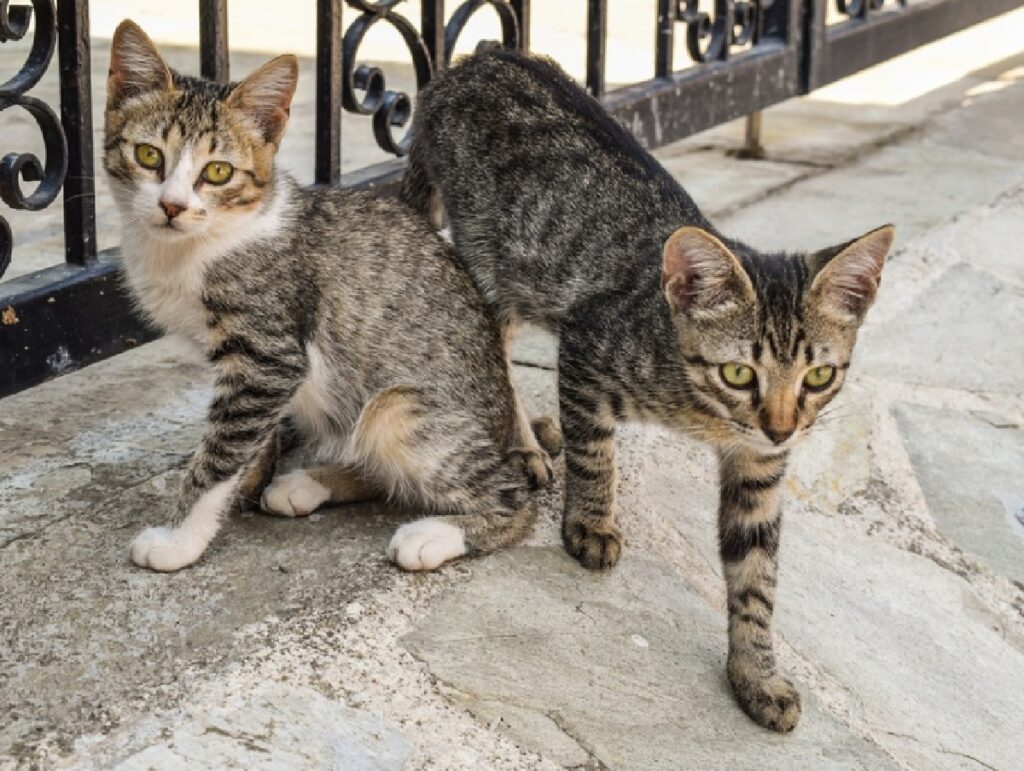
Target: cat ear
{"type": "Point", "coordinates": [135, 65]}
{"type": "Point", "coordinates": [847, 282]}
{"type": "Point", "coordinates": [266, 95]}
{"type": "Point", "coordinates": [700, 274]}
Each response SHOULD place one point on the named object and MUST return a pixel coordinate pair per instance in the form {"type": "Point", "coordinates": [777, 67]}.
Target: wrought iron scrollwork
{"type": "Point", "coordinates": [506, 15]}
{"type": "Point", "coordinates": [364, 90]}
{"type": "Point", "coordinates": [18, 167]}
{"type": "Point", "coordinates": [856, 8]}
{"type": "Point", "coordinates": [390, 109]}
{"type": "Point", "coordinates": [710, 35]}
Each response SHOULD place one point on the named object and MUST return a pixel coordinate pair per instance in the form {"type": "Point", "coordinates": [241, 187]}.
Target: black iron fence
{"type": "Point", "coordinates": [746, 55]}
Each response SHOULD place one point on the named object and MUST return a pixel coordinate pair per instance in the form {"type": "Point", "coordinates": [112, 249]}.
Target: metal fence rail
{"type": "Point", "coordinates": [746, 54]}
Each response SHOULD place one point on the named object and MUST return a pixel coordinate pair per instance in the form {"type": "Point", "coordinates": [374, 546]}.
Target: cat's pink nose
{"type": "Point", "coordinates": [172, 209]}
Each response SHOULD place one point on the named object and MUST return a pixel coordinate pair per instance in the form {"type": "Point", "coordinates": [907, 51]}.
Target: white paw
{"type": "Point", "coordinates": [426, 544]}
{"type": "Point", "coordinates": [293, 495]}
{"type": "Point", "coordinates": [165, 549]}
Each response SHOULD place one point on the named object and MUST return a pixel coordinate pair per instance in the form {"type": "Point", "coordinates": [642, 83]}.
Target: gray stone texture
{"type": "Point", "coordinates": [972, 475]}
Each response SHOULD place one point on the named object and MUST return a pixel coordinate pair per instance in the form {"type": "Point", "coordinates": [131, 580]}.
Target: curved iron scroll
{"type": "Point", "coordinates": [710, 35]}
{"type": "Point", "coordinates": [388, 108]}
{"type": "Point", "coordinates": [855, 8]}
{"type": "Point", "coordinates": [506, 15]}
{"type": "Point", "coordinates": [18, 167]}
{"type": "Point", "coordinates": [364, 89]}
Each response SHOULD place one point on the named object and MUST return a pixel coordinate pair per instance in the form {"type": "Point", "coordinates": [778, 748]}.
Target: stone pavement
{"type": "Point", "coordinates": [293, 644]}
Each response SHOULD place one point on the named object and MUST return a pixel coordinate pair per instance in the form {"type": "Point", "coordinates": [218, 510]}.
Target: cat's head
{"type": "Point", "coordinates": [767, 339]}
{"type": "Point", "coordinates": [187, 157]}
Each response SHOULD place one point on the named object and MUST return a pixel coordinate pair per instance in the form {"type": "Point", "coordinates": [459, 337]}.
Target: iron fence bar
{"type": "Point", "coordinates": [521, 8]}
{"type": "Point", "coordinates": [327, 163]}
{"type": "Point", "coordinates": [432, 30]}
{"type": "Point", "coordinates": [752, 147]}
{"type": "Point", "coordinates": [74, 61]}
{"type": "Point", "coordinates": [213, 40]}
{"type": "Point", "coordinates": [597, 38]}
{"type": "Point", "coordinates": [665, 38]}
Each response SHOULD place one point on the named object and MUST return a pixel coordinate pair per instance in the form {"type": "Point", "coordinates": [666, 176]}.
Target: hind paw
{"type": "Point", "coordinates": [536, 466]}
{"type": "Point", "coordinates": [426, 544]}
{"type": "Point", "coordinates": [549, 436]}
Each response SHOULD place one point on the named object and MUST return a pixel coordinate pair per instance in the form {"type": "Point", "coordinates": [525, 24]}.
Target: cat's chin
{"type": "Point", "coordinates": [762, 444]}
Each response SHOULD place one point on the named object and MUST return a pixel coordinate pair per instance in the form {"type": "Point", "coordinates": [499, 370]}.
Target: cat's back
{"type": "Point", "coordinates": [385, 278]}
{"type": "Point", "coordinates": [526, 112]}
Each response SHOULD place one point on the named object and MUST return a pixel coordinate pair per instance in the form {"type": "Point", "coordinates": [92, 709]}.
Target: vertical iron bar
{"type": "Point", "coordinates": [76, 117]}
{"type": "Point", "coordinates": [521, 8]}
{"type": "Point", "coordinates": [752, 147]}
{"type": "Point", "coordinates": [213, 39]}
{"type": "Point", "coordinates": [432, 27]}
{"type": "Point", "coordinates": [327, 169]}
{"type": "Point", "coordinates": [597, 38]}
{"type": "Point", "coordinates": [664, 41]}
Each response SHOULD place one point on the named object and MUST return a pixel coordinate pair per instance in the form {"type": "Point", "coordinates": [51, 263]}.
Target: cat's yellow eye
{"type": "Point", "coordinates": [737, 375]}
{"type": "Point", "coordinates": [820, 377]}
{"type": "Point", "coordinates": [149, 157]}
{"type": "Point", "coordinates": [218, 172]}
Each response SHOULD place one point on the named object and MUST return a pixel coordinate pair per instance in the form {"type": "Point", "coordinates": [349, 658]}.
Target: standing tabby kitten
{"type": "Point", "coordinates": [338, 310]}
{"type": "Point", "coordinates": [565, 221]}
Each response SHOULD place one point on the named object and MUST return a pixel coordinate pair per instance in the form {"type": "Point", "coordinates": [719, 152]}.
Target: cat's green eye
{"type": "Point", "coordinates": [149, 157]}
{"type": "Point", "coordinates": [820, 377]}
{"type": "Point", "coordinates": [218, 172]}
{"type": "Point", "coordinates": [737, 375]}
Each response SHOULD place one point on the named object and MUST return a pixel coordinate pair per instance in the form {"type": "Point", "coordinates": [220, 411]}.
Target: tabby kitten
{"type": "Point", "coordinates": [565, 221]}
{"type": "Point", "coordinates": [342, 312]}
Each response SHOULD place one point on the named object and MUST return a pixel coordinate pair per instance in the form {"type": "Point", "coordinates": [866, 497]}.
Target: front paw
{"type": "Point", "coordinates": [772, 701]}
{"type": "Point", "coordinates": [536, 466]}
{"type": "Point", "coordinates": [294, 495]}
{"type": "Point", "coordinates": [596, 547]}
{"type": "Point", "coordinates": [164, 549]}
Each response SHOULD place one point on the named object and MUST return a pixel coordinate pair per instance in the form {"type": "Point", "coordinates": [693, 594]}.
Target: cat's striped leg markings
{"type": "Point", "coordinates": [749, 522]}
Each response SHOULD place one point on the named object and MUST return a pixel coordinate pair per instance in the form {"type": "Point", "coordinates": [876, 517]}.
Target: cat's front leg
{"type": "Point", "coordinates": [243, 421]}
{"type": "Point", "coordinates": [749, 521]}
{"type": "Point", "coordinates": [589, 531]}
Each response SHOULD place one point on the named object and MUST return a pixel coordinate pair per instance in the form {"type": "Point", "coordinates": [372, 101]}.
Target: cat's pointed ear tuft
{"type": "Point", "coordinates": [700, 275]}
{"type": "Point", "coordinates": [266, 95]}
{"type": "Point", "coordinates": [136, 67]}
{"type": "Point", "coordinates": [846, 284]}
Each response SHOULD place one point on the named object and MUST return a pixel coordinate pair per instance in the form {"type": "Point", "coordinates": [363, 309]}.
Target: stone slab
{"type": "Point", "coordinates": [907, 650]}
{"type": "Point", "coordinates": [981, 348]}
{"type": "Point", "coordinates": [629, 666]}
{"type": "Point", "coordinates": [972, 475]}
{"type": "Point", "coordinates": [273, 728]}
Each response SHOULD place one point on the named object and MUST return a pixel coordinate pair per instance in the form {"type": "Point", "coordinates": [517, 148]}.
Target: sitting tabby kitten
{"type": "Point", "coordinates": [565, 221]}
{"type": "Point", "coordinates": [342, 312]}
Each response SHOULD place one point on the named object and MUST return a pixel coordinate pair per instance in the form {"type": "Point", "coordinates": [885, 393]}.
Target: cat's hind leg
{"type": "Point", "coordinates": [427, 452]}
{"type": "Point", "coordinates": [300, 493]}
{"type": "Point", "coordinates": [537, 441]}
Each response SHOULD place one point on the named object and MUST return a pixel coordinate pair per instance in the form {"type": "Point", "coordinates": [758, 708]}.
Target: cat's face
{"type": "Point", "coordinates": [767, 339]}
{"type": "Point", "coordinates": [189, 158]}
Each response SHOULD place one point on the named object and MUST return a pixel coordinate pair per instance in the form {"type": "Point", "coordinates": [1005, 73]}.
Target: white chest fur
{"type": "Point", "coordinates": [169, 288]}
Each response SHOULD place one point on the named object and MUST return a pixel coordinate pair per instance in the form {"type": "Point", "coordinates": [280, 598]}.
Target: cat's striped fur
{"type": "Point", "coordinates": [338, 310]}
{"type": "Point", "coordinates": [565, 221]}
